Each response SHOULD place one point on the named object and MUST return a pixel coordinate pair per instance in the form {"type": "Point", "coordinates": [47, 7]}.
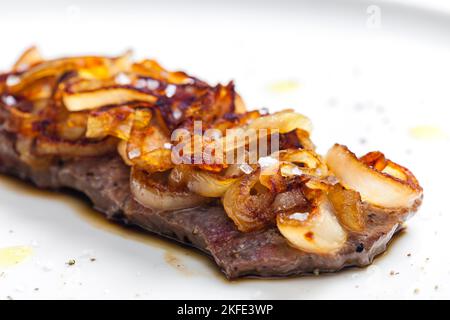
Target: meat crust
{"type": "Point", "coordinates": [260, 254]}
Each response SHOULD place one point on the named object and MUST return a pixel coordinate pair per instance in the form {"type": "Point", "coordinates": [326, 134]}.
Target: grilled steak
{"type": "Point", "coordinates": [263, 253]}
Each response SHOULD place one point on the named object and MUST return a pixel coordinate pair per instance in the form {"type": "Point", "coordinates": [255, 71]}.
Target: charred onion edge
{"type": "Point", "coordinates": [342, 161]}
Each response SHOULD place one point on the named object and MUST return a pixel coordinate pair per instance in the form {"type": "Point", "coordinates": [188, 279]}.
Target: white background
{"type": "Point", "coordinates": [372, 86]}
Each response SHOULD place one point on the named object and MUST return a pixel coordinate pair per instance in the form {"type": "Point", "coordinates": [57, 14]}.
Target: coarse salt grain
{"type": "Point", "coordinates": [299, 216]}
{"type": "Point", "coordinates": [245, 168]}
{"type": "Point", "coordinates": [266, 162]}
{"type": "Point", "coordinates": [12, 80]}
{"type": "Point", "coordinates": [167, 145]}
{"type": "Point", "coordinates": [9, 100]}
{"type": "Point", "coordinates": [122, 79]}
{"type": "Point", "coordinates": [134, 153]}
{"type": "Point", "coordinates": [170, 90]}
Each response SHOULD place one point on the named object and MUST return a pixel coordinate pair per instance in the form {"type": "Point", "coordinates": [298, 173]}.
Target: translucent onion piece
{"type": "Point", "coordinates": [152, 69]}
{"type": "Point", "coordinates": [310, 163]}
{"type": "Point", "coordinates": [122, 151]}
{"type": "Point", "coordinates": [158, 195]}
{"type": "Point", "coordinates": [73, 127]}
{"type": "Point", "coordinates": [104, 97]}
{"type": "Point", "coordinates": [377, 187]}
{"type": "Point", "coordinates": [247, 203]}
{"type": "Point", "coordinates": [47, 146]}
{"type": "Point", "coordinates": [284, 121]}
{"type": "Point", "coordinates": [239, 104]}
{"type": "Point", "coordinates": [208, 184]}
{"type": "Point", "coordinates": [287, 164]}
{"type": "Point", "coordinates": [24, 146]}
{"type": "Point", "coordinates": [97, 67]}
{"type": "Point", "coordinates": [29, 58]}
{"type": "Point", "coordinates": [317, 232]}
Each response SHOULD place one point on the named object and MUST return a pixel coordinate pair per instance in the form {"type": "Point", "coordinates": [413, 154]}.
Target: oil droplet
{"type": "Point", "coordinates": [427, 132]}
{"type": "Point", "coordinates": [14, 255]}
{"type": "Point", "coordinates": [284, 86]}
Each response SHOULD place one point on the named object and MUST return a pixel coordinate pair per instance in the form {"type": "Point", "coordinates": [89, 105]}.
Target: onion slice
{"type": "Point", "coordinates": [89, 100]}
{"type": "Point", "coordinates": [158, 195]}
{"type": "Point", "coordinates": [208, 184]}
{"type": "Point", "coordinates": [348, 207]}
{"type": "Point", "coordinates": [283, 121]}
{"type": "Point", "coordinates": [98, 66]}
{"type": "Point", "coordinates": [29, 58]}
{"type": "Point", "coordinates": [81, 148]}
{"type": "Point", "coordinates": [381, 188]}
{"type": "Point", "coordinates": [248, 203]}
{"type": "Point", "coordinates": [317, 232]}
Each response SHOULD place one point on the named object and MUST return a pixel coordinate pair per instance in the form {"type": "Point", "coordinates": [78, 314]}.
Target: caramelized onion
{"type": "Point", "coordinates": [122, 151]}
{"type": "Point", "coordinates": [317, 232]}
{"type": "Point", "coordinates": [29, 58]}
{"type": "Point", "coordinates": [94, 66]}
{"type": "Point", "coordinates": [116, 122]}
{"type": "Point", "coordinates": [208, 184]}
{"type": "Point", "coordinates": [79, 101]}
{"type": "Point", "coordinates": [48, 146]}
{"type": "Point", "coordinates": [284, 121]}
{"type": "Point", "coordinates": [204, 183]}
{"type": "Point", "coordinates": [380, 188]}
{"type": "Point", "coordinates": [247, 203]}
{"type": "Point", "coordinates": [348, 207]}
{"type": "Point", "coordinates": [157, 195]}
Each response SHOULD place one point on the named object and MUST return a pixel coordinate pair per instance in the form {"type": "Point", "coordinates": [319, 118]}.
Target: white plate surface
{"type": "Point", "coordinates": [370, 84]}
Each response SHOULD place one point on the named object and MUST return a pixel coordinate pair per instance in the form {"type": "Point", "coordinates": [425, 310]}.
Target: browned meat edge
{"type": "Point", "coordinates": [105, 180]}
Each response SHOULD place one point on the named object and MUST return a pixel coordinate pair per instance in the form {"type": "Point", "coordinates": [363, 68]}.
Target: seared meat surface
{"type": "Point", "coordinates": [262, 253]}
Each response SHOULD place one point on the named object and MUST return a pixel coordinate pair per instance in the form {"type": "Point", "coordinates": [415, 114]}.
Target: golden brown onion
{"type": "Point", "coordinates": [97, 67]}
{"type": "Point", "coordinates": [247, 203]}
{"type": "Point", "coordinates": [284, 121]}
{"type": "Point", "coordinates": [157, 195]}
{"type": "Point", "coordinates": [122, 151]}
{"type": "Point", "coordinates": [348, 207]}
{"type": "Point", "coordinates": [48, 146]}
{"type": "Point", "coordinates": [116, 122]}
{"type": "Point", "coordinates": [29, 58]}
{"type": "Point", "coordinates": [208, 184]}
{"type": "Point", "coordinates": [89, 100]}
{"type": "Point", "coordinates": [380, 188]}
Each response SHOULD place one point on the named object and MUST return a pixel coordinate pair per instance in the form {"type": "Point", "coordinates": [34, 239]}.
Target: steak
{"type": "Point", "coordinates": [105, 180]}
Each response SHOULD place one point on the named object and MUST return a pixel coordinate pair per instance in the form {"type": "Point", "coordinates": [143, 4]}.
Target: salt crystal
{"type": "Point", "coordinates": [245, 168]}
{"type": "Point", "coordinates": [12, 80]}
{"type": "Point", "coordinates": [122, 79]}
{"type": "Point", "coordinates": [170, 90]}
{"type": "Point", "coordinates": [134, 153]}
{"type": "Point", "coordinates": [300, 216]}
{"type": "Point", "coordinates": [152, 84]}
{"type": "Point", "coordinates": [9, 100]}
{"type": "Point", "coordinates": [264, 111]}
{"type": "Point", "coordinates": [141, 84]}
{"type": "Point", "coordinates": [266, 162]}
{"type": "Point", "coordinates": [167, 145]}
{"type": "Point", "coordinates": [177, 114]}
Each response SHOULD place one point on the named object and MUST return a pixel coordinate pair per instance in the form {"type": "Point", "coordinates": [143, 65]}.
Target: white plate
{"type": "Point", "coordinates": [368, 83]}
